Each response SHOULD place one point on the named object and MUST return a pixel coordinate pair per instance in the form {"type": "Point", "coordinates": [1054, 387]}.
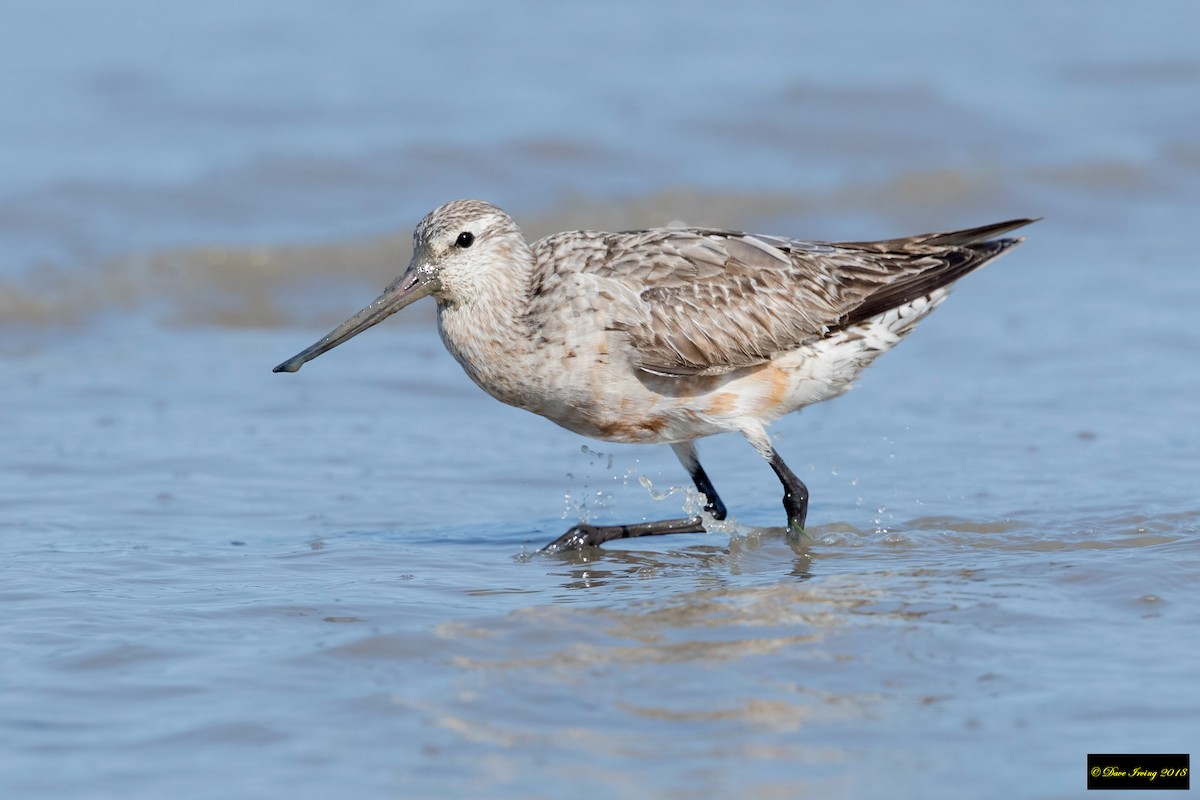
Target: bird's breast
{"type": "Point", "coordinates": [585, 379]}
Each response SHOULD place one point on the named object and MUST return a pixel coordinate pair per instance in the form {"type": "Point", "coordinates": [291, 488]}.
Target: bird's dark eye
{"type": "Point", "coordinates": [465, 239]}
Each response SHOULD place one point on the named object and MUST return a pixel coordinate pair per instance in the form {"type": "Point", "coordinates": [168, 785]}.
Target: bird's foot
{"type": "Point", "coordinates": [577, 538]}
{"type": "Point", "coordinates": [583, 535]}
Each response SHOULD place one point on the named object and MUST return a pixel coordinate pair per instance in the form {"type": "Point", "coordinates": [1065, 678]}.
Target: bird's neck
{"type": "Point", "coordinates": [489, 335]}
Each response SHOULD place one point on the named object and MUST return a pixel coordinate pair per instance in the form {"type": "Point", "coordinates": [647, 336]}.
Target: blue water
{"type": "Point", "coordinates": [137, 124]}
{"type": "Point", "coordinates": [226, 582]}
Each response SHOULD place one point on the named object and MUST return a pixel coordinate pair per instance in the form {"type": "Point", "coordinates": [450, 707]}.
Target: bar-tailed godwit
{"type": "Point", "coordinates": [669, 334]}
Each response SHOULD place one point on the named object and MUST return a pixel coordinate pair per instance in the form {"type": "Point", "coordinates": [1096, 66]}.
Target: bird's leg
{"type": "Point", "coordinates": [585, 535]}
{"type": "Point", "coordinates": [795, 493]}
{"type": "Point", "coordinates": [686, 453]}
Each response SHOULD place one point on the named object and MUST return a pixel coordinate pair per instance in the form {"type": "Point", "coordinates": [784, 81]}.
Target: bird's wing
{"type": "Point", "coordinates": [704, 302]}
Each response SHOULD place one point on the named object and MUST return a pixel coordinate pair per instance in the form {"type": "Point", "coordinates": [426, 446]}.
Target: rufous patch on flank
{"type": "Point", "coordinates": [723, 403]}
{"type": "Point", "coordinates": [780, 381]}
{"type": "Point", "coordinates": [644, 429]}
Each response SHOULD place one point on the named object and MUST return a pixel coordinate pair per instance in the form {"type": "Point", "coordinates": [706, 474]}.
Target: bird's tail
{"type": "Point", "coordinates": [973, 235]}
{"type": "Point", "coordinates": [951, 239]}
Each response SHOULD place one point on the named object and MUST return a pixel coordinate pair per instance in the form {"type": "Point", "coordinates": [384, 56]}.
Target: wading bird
{"type": "Point", "coordinates": [669, 334]}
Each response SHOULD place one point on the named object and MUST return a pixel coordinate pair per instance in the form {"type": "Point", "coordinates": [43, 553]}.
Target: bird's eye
{"type": "Point", "coordinates": [465, 239]}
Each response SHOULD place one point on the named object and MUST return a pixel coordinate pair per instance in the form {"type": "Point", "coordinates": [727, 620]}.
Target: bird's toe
{"type": "Point", "coordinates": [577, 538]}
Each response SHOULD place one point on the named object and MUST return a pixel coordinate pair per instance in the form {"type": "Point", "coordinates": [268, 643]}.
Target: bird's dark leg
{"type": "Point", "coordinates": [585, 535]}
{"type": "Point", "coordinates": [795, 493]}
{"type": "Point", "coordinates": [686, 453]}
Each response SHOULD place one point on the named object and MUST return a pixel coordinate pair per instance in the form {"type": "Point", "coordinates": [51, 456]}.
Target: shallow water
{"type": "Point", "coordinates": [222, 581]}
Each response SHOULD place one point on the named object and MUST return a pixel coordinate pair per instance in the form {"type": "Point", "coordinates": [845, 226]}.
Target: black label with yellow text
{"type": "Point", "coordinates": [1138, 771]}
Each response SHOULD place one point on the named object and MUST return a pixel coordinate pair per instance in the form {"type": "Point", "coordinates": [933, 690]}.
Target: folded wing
{"type": "Point", "coordinates": [705, 302]}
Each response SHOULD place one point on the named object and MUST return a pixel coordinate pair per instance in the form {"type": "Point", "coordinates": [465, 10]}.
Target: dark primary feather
{"type": "Point", "coordinates": [952, 239]}
{"type": "Point", "coordinates": [702, 302]}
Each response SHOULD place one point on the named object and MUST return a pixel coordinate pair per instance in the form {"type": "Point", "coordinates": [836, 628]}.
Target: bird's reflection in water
{"type": "Point", "coordinates": [771, 552]}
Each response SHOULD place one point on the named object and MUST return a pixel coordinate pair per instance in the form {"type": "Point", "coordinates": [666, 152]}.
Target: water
{"type": "Point", "coordinates": [221, 581]}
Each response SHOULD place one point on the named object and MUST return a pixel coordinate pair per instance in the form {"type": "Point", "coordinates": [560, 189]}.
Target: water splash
{"type": "Point", "coordinates": [596, 454]}
{"type": "Point", "coordinates": [580, 504]}
{"type": "Point", "coordinates": [693, 505]}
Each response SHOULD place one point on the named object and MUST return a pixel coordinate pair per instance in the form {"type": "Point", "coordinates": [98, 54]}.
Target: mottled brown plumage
{"type": "Point", "coordinates": [712, 301]}
{"type": "Point", "coordinates": [669, 334]}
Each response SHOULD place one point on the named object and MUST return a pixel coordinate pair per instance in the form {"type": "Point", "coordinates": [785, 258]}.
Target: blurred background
{"type": "Point", "coordinates": [221, 581]}
{"type": "Point", "coordinates": [284, 139]}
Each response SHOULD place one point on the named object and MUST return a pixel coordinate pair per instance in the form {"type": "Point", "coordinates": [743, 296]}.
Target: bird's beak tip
{"type": "Point", "coordinates": [400, 293]}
